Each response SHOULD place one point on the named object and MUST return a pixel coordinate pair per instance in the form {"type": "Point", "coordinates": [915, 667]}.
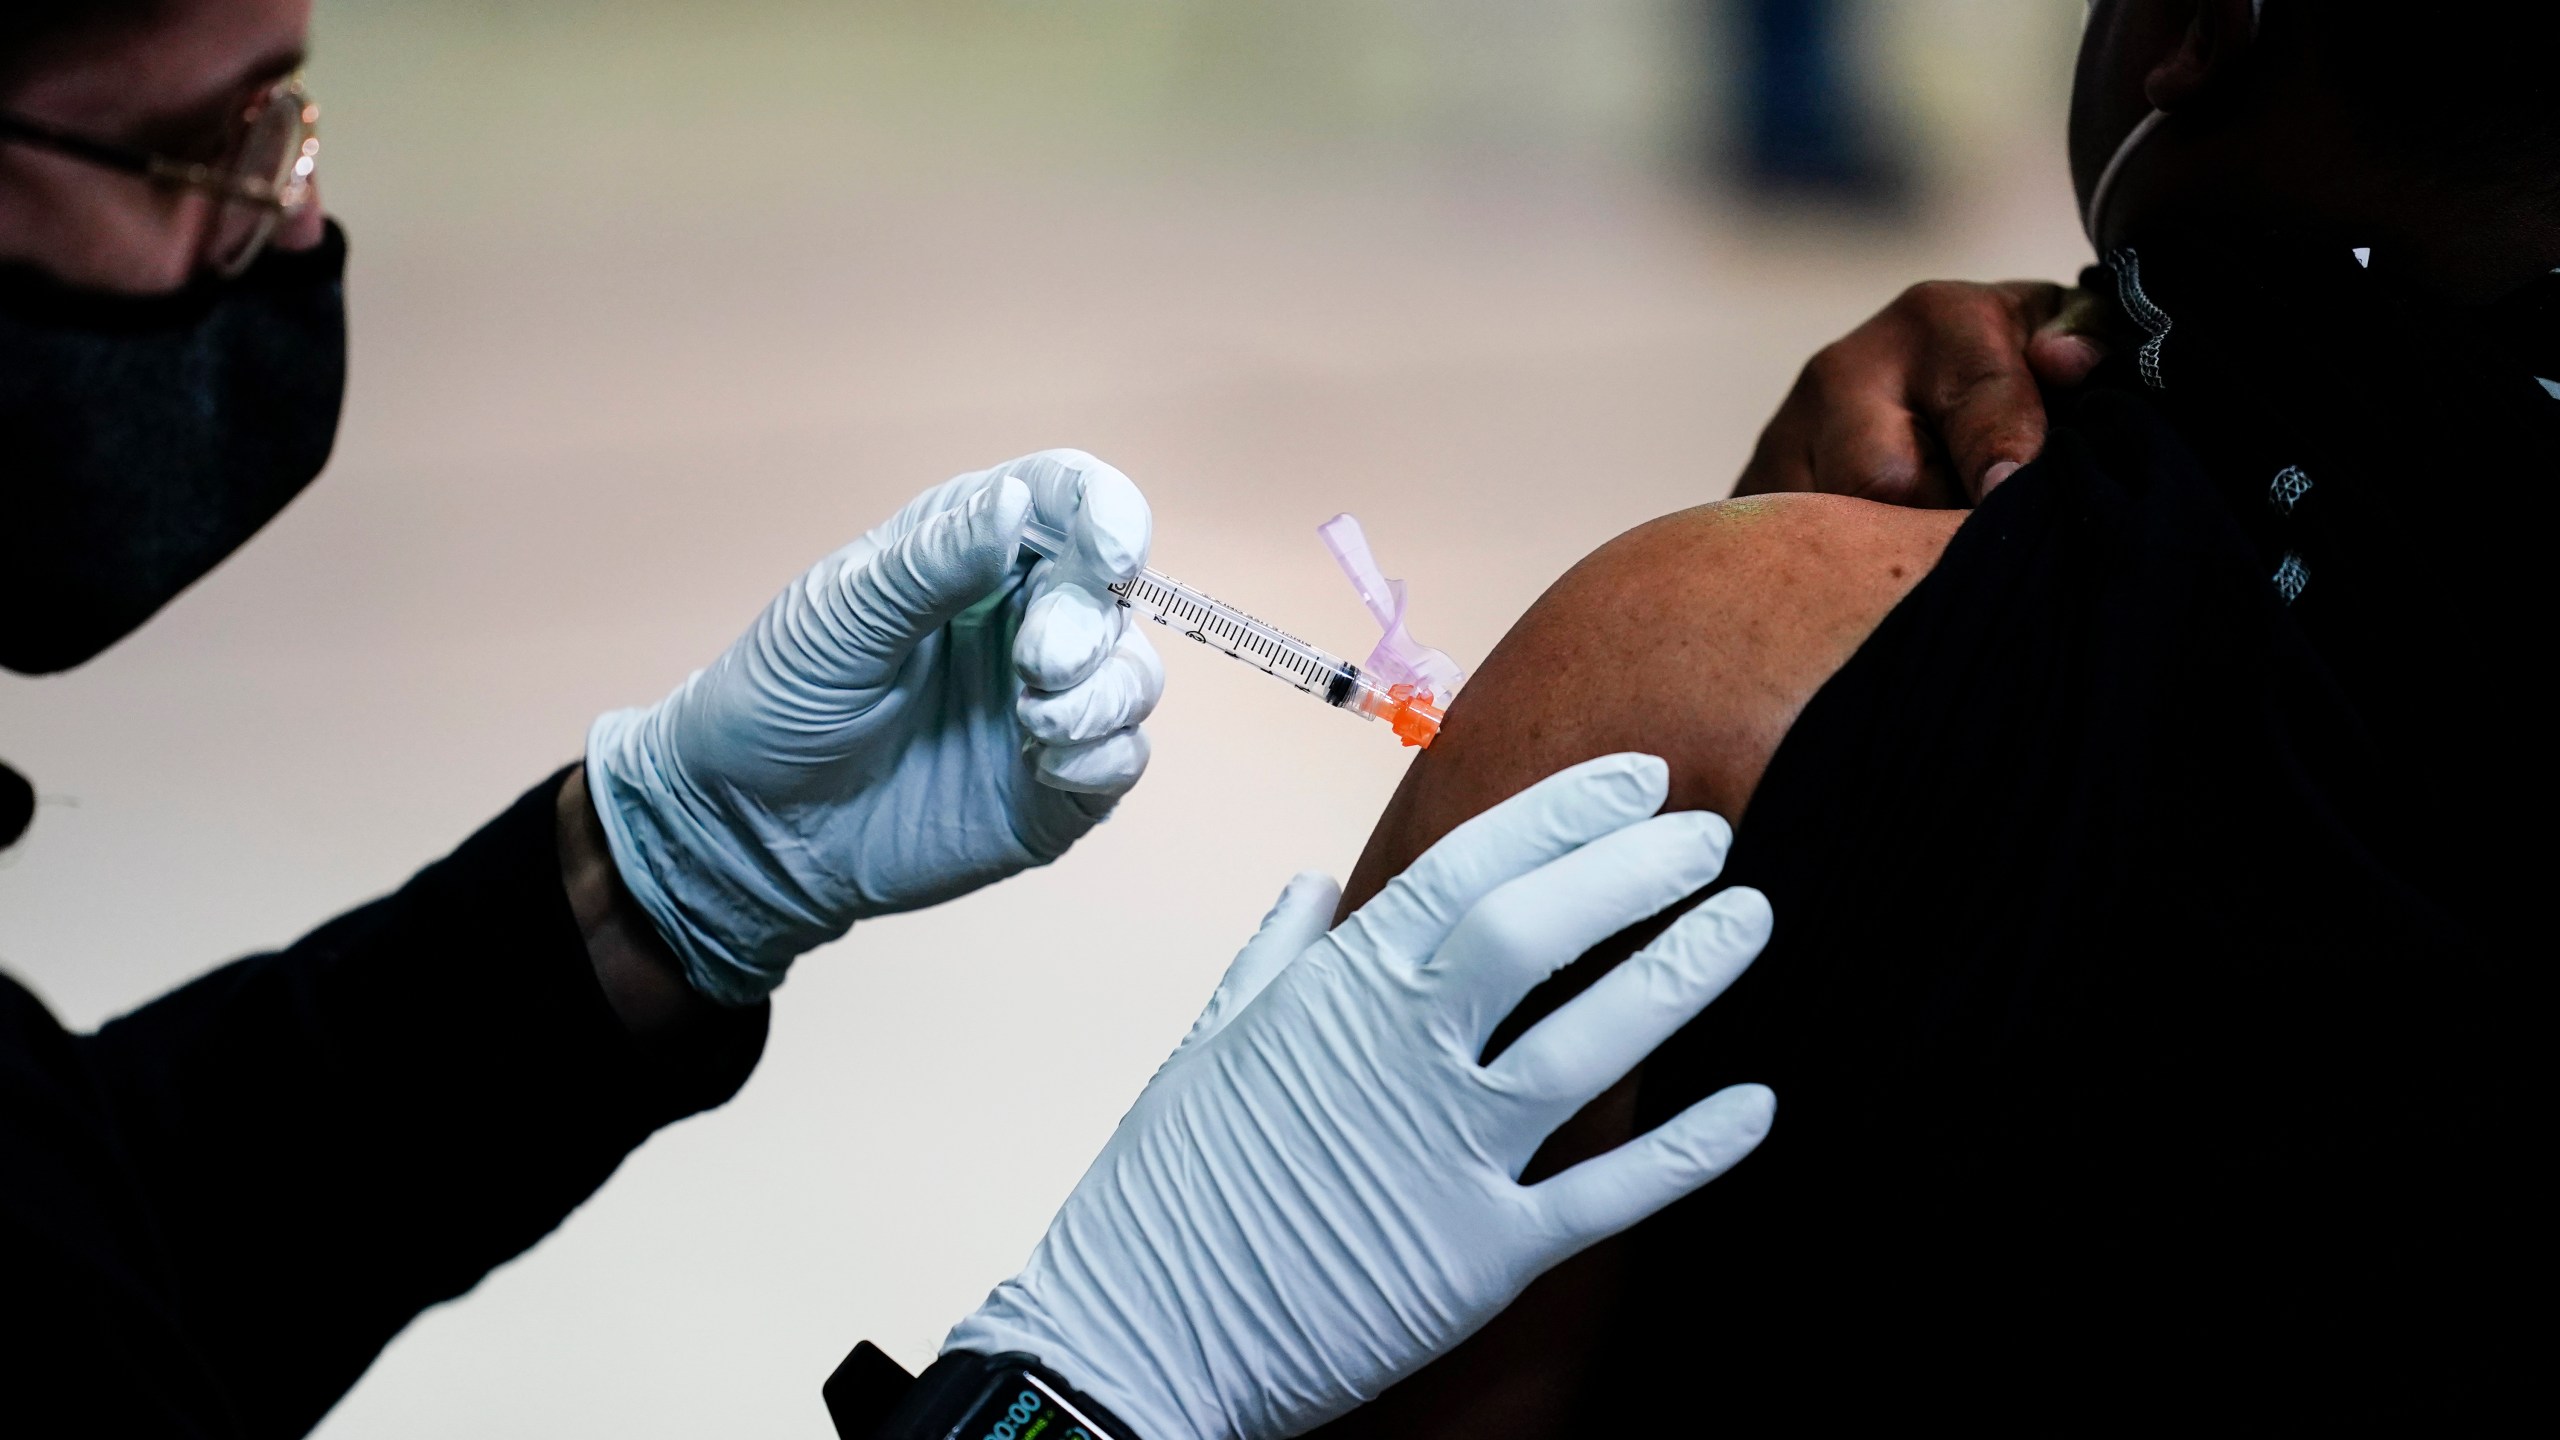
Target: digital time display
{"type": "Point", "coordinates": [1019, 1407]}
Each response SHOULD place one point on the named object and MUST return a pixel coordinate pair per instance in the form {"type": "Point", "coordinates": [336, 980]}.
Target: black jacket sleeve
{"type": "Point", "coordinates": [325, 1141]}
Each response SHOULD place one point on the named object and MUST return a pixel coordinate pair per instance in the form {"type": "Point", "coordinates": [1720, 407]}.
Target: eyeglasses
{"type": "Point", "coordinates": [264, 176]}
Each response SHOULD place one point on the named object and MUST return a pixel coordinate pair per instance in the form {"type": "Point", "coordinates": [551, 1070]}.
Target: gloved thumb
{"type": "Point", "coordinates": [1297, 920]}
{"type": "Point", "coordinates": [922, 580]}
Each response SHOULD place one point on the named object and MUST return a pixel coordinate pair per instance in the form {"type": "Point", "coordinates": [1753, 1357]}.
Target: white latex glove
{"type": "Point", "coordinates": [921, 714]}
{"type": "Point", "coordinates": [1319, 1192]}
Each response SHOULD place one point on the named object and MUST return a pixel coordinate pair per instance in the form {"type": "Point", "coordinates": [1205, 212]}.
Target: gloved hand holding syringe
{"type": "Point", "coordinates": [917, 717]}
{"type": "Point", "coordinates": [1403, 682]}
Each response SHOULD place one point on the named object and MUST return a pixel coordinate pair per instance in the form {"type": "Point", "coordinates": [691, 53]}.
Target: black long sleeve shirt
{"type": "Point", "coordinates": [217, 1210]}
{"type": "Point", "coordinates": [2157, 995]}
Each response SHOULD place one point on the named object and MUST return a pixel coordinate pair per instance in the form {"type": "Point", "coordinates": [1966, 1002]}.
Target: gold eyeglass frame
{"type": "Point", "coordinates": [278, 195]}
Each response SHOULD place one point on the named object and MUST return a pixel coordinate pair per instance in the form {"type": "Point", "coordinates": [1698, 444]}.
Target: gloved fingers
{"type": "Point", "coordinates": [1068, 632]}
{"type": "Point", "coordinates": [1533, 926]}
{"type": "Point", "coordinates": [1589, 1045]}
{"type": "Point", "coordinates": [1100, 510]}
{"type": "Point", "coordinates": [882, 603]}
{"type": "Point", "coordinates": [1121, 693]}
{"type": "Point", "coordinates": [1609, 1193]}
{"type": "Point", "coordinates": [1296, 920]}
{"type": "Point", "coordinates": [1565, 811]}
{"type": "Point", "coordinates": [951, 494]}
{"type": "Point", "coordinates": [1074, 619]}
{"type": "Point", "coordinates": [1104, 769]}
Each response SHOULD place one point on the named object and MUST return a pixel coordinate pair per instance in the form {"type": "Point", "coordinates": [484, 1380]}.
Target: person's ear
{"type": "Point", "coordinates": [2218, 34]}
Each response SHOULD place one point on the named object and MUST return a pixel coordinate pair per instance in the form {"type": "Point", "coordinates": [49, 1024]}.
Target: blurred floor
{"type": "Point", "coordinates": [656, 302]}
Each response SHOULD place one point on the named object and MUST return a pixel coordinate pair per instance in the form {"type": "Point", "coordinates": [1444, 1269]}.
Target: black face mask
{"type": "Point", "coordinates": [142, 440]}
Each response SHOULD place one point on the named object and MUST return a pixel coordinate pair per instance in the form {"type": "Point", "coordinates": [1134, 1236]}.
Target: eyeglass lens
{"type": "Point", "coordinates": [277, 152]}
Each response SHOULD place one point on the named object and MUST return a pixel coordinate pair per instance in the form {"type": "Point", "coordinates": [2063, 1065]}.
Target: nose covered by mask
{"type": "Point", "coordinates": [144, 439]}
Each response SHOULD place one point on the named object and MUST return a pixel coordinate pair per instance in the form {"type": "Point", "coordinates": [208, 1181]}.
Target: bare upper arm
{"type": "Point", "coordinates": [1697, 637]}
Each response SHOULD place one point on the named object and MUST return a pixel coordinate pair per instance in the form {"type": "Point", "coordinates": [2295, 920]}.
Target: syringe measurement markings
{"type": "Point", "coordinates": [1273, 651]}
{"type": "Point", "coordinates": [1281, 656]}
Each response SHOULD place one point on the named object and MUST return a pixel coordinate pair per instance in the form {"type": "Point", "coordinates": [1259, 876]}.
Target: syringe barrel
{"type": "Point", "coordinates": [1167, 601]}
{"type": "Point", "coordinates": [1171, 603]}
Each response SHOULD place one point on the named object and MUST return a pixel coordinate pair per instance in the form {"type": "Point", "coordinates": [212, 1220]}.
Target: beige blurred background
{"type": "Point", "coordinates": [657, 301]}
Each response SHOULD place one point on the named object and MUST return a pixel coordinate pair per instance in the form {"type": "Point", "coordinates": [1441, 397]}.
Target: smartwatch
{"type": "Point", "coordinates": [962, 1396]}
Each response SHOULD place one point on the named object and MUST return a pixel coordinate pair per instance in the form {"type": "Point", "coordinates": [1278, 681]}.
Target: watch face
{"type": "Point", "coordinates": [1021, 1406]}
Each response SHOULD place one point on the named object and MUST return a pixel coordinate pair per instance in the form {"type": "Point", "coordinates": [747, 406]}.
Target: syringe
{"type": "Point", "coordinates": [1414, 716]}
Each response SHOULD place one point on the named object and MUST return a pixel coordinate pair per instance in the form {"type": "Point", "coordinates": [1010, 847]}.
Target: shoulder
{"type": "Point", "coordinates": [1798, 573]}
{"type": "Point", "coordinates": [1698, 637]}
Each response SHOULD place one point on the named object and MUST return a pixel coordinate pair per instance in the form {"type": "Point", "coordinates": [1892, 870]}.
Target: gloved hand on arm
{"type": "Point", "coordinates": [924, 712]}
{"type": "Point", "coordinates": [1318, 1192]}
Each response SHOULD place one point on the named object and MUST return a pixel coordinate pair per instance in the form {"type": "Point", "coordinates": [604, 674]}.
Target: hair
{"type": "Point", "coordinates": [28, 26]}
{"type": "Point", "coordinates": [2469, 93]}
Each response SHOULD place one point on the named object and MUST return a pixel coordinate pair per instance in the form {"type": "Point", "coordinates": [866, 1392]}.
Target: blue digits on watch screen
{"type": "Point", "coordinates": [1019, 1406]}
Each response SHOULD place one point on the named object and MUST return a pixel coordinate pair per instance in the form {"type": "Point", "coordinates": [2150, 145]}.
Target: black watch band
{"type": "Point", "coordinates": [962, 1396]}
